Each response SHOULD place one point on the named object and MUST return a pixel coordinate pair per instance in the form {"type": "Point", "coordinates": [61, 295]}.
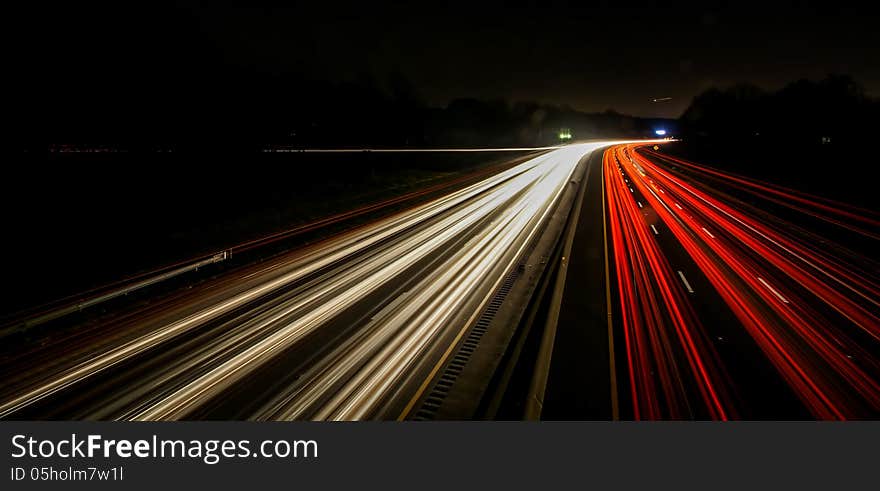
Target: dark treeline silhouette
{"type": "Point", "coordinates": [809, 134]}
{"type": "Point", "coordinates": [834, 110]}
{"type": "Point", "coordinates": [230, 107]}
{"type": "Point", "coordinates": [147, 81]}
{"type": "Point", "coordinates": [158, 80]}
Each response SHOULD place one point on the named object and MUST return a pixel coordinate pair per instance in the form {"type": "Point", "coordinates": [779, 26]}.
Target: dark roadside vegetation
{"type": "Point", "coordinates": [130, 151]}
{"type": "Point", "coordinates": [84, 212]}
{"type": "Point", "coordinates": [106, 80]}
{"type": "Point", "coordinates": [81, 215]}
{"type": "Point", "coordinates": [814, 136]}
{"type": "Point", "coordinates": [81, 220]}
{"type": "Point", "coordinates": [811, 136]}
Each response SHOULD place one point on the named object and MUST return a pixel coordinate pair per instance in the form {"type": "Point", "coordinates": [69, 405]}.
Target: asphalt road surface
{"type": "Point", "coordinates": [727, 305]}
{"type": "Point", "coordinates": [344, 329]}
{"type": "Point", "coordinates": [688, 293]}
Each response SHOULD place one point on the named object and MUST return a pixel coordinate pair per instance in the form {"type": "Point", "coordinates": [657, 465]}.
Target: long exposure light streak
{"type": "Point", "coordinates": [813, 314]}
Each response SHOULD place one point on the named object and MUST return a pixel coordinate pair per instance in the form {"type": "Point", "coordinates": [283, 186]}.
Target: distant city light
{"type": "Point", "coordinates": [659, 132]}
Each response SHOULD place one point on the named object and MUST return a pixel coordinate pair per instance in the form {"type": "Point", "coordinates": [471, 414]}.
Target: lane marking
{"type": "Point", "coordinates": [677, 206]}
{"type": "Point", "coordinates": [778, 295]}
{"type": "Point", "coordinates": [541, 372]}
{"type": "Point", "coordinates": [615, 410]}
{"type": "Point", "coordinates": [655, 230]}
{"type": "Point", "coordinates": [708, 232]}
{"type": "Point", "coordinates": [640, 204]}
{"type": "Point", "coordinates": [469, 324]}
{"type": "Point", "coordinates": [405, 150]}
{"type": "Point", "coordinates": [685, 281]}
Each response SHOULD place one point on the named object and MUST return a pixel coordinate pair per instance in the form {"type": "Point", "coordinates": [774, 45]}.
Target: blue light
{"type": "Point", "coordinates": [659, 132]}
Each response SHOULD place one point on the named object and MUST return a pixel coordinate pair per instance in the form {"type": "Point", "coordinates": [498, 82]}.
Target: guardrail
{"type": "Point", "coordinates": [83, 304]}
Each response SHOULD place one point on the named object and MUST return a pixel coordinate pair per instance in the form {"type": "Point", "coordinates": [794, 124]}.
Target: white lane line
{"type": "Point", "coordinates": [640, 204]}
{"type": "Point", "coordinates": [708, 232]}
{"type": "Point", "coordinates": [778, 295]}
{"type": "Point", "coordinates": [631, 190]}
{"type": "Point", "coordinates": [685, 281]}
{"type": "Point", "coordinates": [404, 150]}
{"type": "Point", "coordinates": [786, 249]}
{"type": "Point", "coordinates": [677, 205]}
{"type": "Point", "coordinates": [655, 230]}
{"type": "Point", "coordinates": [662, 191]}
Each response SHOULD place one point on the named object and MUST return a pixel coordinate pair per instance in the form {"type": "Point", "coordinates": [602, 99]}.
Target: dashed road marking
{"type": "Point", "coordinates": [685, 281]}
{"type": "Point", "coordinates": [778, 295]}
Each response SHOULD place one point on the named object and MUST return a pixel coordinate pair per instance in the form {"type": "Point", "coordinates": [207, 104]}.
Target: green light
{"type": "Point", "coordinates": [565, 134]}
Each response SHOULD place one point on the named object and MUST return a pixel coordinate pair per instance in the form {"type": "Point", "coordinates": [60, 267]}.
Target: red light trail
{"type": "Point", "coordinates": [811, 308]}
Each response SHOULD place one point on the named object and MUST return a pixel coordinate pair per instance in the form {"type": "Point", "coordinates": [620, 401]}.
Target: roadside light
{"type": "Point", "coordinates": [660, 132]}
{"type": "Point", "coordinates": [565, 134]}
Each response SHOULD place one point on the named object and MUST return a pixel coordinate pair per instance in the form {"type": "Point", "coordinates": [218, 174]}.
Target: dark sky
{"type": "Point", "coordinates": [590, 57]}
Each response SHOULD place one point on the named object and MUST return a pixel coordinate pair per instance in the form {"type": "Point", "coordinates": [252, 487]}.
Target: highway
{"type": "Point", "coordinates": [728, 306]}
{"type": "Point", "coordinates": [677, 291]}
{"type": "Point", "coordinates": [347, 328]}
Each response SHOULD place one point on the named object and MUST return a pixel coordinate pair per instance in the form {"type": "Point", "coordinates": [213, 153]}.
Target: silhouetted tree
{"type": "Point", "coordinates": [835, 108]}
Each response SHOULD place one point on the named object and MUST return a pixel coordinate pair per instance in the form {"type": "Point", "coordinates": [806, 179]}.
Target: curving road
{"type": "Point", "coordinates": [729, 305]}
{"type": "Point", "coordinates": [348, 328]}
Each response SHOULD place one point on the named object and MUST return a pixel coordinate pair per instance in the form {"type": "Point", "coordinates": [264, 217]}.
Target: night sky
{"type": "Point", "coordinates": [591, 58]}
